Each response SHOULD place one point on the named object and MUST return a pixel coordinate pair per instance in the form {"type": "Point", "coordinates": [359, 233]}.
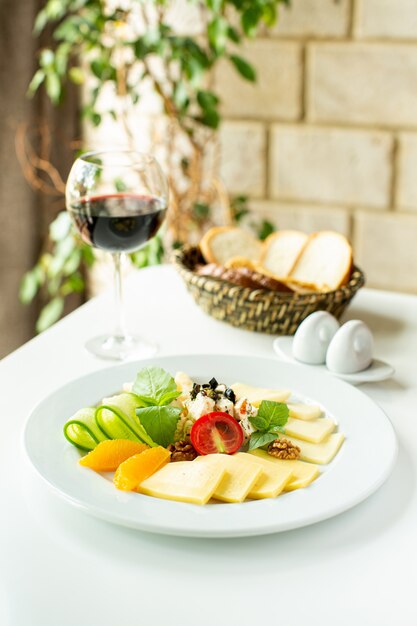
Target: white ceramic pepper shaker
{"type": "Point", "coordinates": [313, 337]}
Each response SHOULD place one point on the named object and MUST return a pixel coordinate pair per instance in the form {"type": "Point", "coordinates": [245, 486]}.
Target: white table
{"type": "Point", "coordinates": [60, 567]}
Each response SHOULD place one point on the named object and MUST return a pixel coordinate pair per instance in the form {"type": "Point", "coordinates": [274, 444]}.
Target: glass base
{"type": "Point", "coordinates": [120, 348]}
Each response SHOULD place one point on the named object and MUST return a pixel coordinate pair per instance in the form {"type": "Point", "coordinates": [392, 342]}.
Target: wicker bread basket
{"type": "Point", "coordinates": [261, 310]}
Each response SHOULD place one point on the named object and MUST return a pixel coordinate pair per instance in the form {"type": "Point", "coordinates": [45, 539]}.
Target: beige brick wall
{"type": "Point", "coordinates": [328, 138]}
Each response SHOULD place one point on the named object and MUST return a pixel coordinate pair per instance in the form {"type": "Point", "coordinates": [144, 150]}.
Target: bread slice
{"type": "Point", "coordinates": [280, 252]}
{"type": "Point", "coordinates": [222, 243]}
{"type": "Point", "coordinates": [325, 262]}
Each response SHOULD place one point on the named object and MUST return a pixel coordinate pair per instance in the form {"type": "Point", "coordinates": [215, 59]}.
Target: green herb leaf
{"type": "Point", "coordinates": [276, 413]}
{"type": "Point", "coordinates": [260, 423]}
{"type": "Point", "coordinates": [159, 422]}
{"type": "Point", "coordinates": [269, 422]}
{"type": "Point", "coordinates": [155, 386]}
{"type": "Point", "coordinates": [259, 439]}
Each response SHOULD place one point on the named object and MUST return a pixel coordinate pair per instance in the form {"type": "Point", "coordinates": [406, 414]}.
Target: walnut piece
{"type": "Point", "coordinates": [182, 451]}
{"type": "Point", "coordinates": [284, 449]}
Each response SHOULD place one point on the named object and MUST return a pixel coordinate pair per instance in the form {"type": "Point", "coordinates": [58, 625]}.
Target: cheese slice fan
{"type": "Point", "coordinates": [302, 474]}
{"type": "Point", "coordinates": [273, 479]}
{"type": "Point", "coordinates": [304, 411]}
{"type": "Point", "coordinates": [320, 453]}
{"type": "Point", "coordinates": [314, 430]}
{"type": "Point", "coordinates": [184, 481]}
{"type": "Point", "coordinates": [240, 476]}
{"type": "Point", "coordinates": [255, 395]}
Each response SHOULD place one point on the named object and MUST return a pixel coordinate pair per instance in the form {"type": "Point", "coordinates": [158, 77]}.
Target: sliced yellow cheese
{"type": "Point", "coordinates": [314, 430]}
{"type": "Point", "coordinates": [320, 453]}
{"type": "Point", "coordinates": [302, 474]}
{"type": "Point", "coordinates": [255, 395]}
{"type": "Point", "coordinates": [304, 411]}
{"type": "Point", "coordinates": [240, 476]}
{"type": "Point", "coordinates": [184, 481]}
{"type": "Point", "coordinates": [273, 479]}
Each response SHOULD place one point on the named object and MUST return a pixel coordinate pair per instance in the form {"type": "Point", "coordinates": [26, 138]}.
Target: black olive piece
{"type": "Point", "coordinates": [213, 383]}
{"type": "Point", "coordinates": [230, 395]}
{"type": "Point", "coordinates": [206, 386]}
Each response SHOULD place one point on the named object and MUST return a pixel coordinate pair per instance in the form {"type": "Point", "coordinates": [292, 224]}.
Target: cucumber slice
{"type": "Point", "coordinates": [117, 418]}
{"type": "Point", "coordinates": [82, 431]}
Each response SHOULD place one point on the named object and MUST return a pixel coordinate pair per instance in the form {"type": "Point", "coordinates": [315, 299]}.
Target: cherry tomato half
{"type": "Point", "coordinates": [216, 432]}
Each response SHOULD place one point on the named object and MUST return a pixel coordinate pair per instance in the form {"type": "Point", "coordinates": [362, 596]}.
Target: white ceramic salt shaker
{"type": "Point", "coordinates": [313, 337]}
{"type": "Point", "coordinates": [351, 348]}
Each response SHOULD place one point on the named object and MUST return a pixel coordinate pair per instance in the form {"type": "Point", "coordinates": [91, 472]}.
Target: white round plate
{"type": "Point", "coordinates": [364, 462]}
{"type": "Point", "coordinates": [375, 373]}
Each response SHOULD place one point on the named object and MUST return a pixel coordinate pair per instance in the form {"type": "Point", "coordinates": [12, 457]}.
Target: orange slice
{"type": "Point", "coordinates": [107, 455]}
{"type": "Point", "coordinates": [133, 471]}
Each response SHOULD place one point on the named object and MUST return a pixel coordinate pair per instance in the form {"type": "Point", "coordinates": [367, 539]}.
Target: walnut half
{"type": "Point", "coordinates": [284, 449]}
{"type": "Point", "coordinates": [182, 451]}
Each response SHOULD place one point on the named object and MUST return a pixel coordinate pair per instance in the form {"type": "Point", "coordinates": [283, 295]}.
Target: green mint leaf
{"type": "Point", "coordinates": [154, 386]}
{"type": "Point", "coordinates": [259, 439]}
{"type": "Point", "coordinates": [159, 422]}
{"type": "Point", "coordinates": [260, 423]}
{"type": "Point", "coordinates": [276, 413]}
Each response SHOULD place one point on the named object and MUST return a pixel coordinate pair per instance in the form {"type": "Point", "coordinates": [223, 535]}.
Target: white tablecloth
{"type": "Point", "coordinates": [60, 567]}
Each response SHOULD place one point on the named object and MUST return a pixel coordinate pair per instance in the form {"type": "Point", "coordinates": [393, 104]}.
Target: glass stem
{"type": "Point", "coordinates": [120, 330]}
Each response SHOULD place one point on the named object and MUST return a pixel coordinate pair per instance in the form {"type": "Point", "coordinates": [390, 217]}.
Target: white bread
{"type": "Point", "coordinates": [280, 252]}
{"type": "Point", "coordinates": [325, 262]}
{"type": "Point", "coordinates": [222, 243]}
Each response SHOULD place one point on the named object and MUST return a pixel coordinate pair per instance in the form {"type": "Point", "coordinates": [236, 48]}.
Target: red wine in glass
{"type": "Point", "coordinates": [121, 222]}
{"type": "Point", "coordinates": [117, 222]}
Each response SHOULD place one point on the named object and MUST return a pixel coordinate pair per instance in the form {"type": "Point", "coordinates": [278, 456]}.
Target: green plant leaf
{"type": "Point", "coordinates": [250, 20]}
{"type": "Point", "coordinates": [53, 87]}
{"type": "Point", "coordinates": [29, 286]}
{"type": "Point", "coordinates": [152, 384]}
{"type": "Point", "coordinates": [36, 82]}
{"type": "Point", "coordinates": [207, 99]}
{"type": "Point", "coordinates": [160, 422]}
{"type": "Point", "coordinates": [217, 32]}
{"type": "Point", "coordinates": [244, 68]}
{"type": "Point", "coordinates": [73, 284]}
{"type": "Point", "coordinates": [265, 228]}
{"type": "Point", "coordinates": [50, 314]}
{"type": "Point", "coordinates": [259, 439]}
{"type": "Point", "coordinates": [276, 413]}
{"type": "Point", "coordinates": [76, 75]}
{"type": "Point", "coordinates": [60, 227]}
{"type": "Point", "coordinates": [260, 423]}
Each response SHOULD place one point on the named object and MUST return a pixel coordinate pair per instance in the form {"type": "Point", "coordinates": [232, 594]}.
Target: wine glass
{"type": "Point", "coordinates": [117, 201]}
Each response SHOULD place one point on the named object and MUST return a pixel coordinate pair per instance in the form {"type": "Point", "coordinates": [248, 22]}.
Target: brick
{"type": "Point", "coordinates": [307, 218]}
{"type": "Point", "coordinates": [385, 18]}
{"type": "Point", "coordinates": [363, 84]}
{"type": "Point", "coordinates": [243, 157]}
{"type": "Point", "coordinates": [385, 247]}
{"type": "Point", "coordinates": [406, 192]}
{"type": "Point", "coordinates": [314, 18]}
{"type": "Point", "coordinates": [328, 165]}
{"type": "Point", "coordinates": [277, 91]}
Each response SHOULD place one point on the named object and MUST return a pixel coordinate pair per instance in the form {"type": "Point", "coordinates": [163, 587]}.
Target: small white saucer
{"type": "Point", "coordinates": [377, 371]}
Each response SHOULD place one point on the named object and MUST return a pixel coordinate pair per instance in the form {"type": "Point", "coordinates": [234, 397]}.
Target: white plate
{"type": "Point", "coordinates": [362, 465]}
{"type": "Point", "coordinates": [375, 373]}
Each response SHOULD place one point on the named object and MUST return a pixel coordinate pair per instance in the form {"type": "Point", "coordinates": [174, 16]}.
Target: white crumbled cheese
{"type": "Point", "coordinates": [243, 411]}
{"type": "Point", "coordinates": [183, 382]}
{"type": "Point", "coordinates": [224, 405]}
{"type": "Point", "coordinates": [184, 385]}
{"type": "Point", "coordinates": [200, 406]}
